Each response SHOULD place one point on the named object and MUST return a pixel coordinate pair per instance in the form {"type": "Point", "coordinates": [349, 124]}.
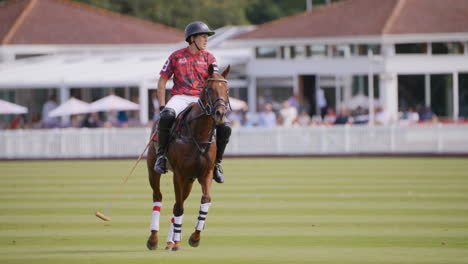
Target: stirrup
{"type": "Point", "coordinates": [218, 175]}
{"type": "Point", "coordinates": [160, 165]}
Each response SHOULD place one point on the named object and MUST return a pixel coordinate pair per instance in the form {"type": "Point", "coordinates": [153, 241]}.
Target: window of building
{"type": "Point", "coordinates": [266, 52]}
{"type": "Point", "coordinates": [463, 95]}
{"type": "Point", "coordinates": [318, 50]}
{"type": "Point", "coordinates": [411, 92]}
{"type": "Point", "coordinates": [441, 94]}
{"type": "Point", "coordinates": [447, 48]}
{"type": "Point", "coordinates": [340, 50]}
{"type": "Point", "coordinates": [362, 49]}
{"type": "Point", "coordinates": [411, 48]}
{"type": "Point", "coordinates": [299, 51]}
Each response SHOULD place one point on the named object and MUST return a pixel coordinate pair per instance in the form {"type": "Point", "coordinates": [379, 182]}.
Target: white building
{"type": "Point", "coordinates": [401, 52]}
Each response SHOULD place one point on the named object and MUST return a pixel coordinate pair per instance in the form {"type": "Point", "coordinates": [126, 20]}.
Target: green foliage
{"type": "Point", "coordinates": [216, 13]}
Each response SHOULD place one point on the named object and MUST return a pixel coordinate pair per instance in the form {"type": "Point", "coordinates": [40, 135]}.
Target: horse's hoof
{"type": "Point", "coordinates": [194, 243]}
{"type": "Point", "coordinates": [169, 246]}
{"type": "Point", "coordinates": [176, 248]}
{"type": "Point", "coordinates": [151, 246]}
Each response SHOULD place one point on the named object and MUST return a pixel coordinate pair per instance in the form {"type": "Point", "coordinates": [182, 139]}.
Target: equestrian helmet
{"type": "Point", "coordinates": [196, 28]}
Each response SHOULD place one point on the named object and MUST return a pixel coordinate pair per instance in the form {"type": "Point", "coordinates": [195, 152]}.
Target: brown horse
{"type": "Point", "coordinates": [191, 154]}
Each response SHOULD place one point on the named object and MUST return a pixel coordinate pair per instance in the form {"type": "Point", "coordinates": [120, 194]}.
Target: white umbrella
{"type": "Point", "coordinates": [113, 103]}
{"type": "Point", "coordinates": [72, 106]}
{"type": "Point", "coordinates": [11, 108]}
{"type": "Point", "coordinates": [237, 104]}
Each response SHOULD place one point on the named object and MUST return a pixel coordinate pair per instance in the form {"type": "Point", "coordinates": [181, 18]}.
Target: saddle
{"type": "Point", "coordinates": [177, 131]}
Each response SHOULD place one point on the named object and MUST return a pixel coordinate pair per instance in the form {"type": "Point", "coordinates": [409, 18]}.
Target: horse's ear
{"type": "Point", "coordinates": [226, 71]}
{"type": "Point", "coordinates": [211, 69]}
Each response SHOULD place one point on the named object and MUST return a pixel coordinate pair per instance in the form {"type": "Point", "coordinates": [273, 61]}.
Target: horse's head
{"type": "Point", "coordinates": [215, 96]}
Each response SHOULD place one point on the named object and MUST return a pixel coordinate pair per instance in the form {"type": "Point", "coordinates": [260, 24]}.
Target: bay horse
{"type": "Point", "coordinates": [191, 154]}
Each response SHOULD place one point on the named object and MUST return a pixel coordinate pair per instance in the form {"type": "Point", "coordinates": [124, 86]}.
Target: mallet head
{"type": "Point", "coordinates": [102, 216]}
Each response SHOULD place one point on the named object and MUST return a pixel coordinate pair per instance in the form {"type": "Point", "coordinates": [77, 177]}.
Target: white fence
{"type": "Point", "coordinates": [336, 140]}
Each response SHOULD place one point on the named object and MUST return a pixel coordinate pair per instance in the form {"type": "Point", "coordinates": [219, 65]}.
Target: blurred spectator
{"type": "Point", "coordinates": [35, 121]}
{"type": "Point", "coordinates": [410, 116]}
{"type": "Point", "coordinates": [303, 119]}
{"type": "Point", "coordinates": [288, 114]}
{"type": "Point", "coordinates": [343, 117]}
{"type": "Point", "coordinates": [155, 105]}
{"type": "Point", "coordinates": [267, 118]}
{"type": "Point", "coordinates": [330, 117]}
{"type": "Point", "coordinates": [321, 102]}
{"type": "Point", "coordinates": [427, 114]}
{"type": "Point", "coordinates": [293, 101]}
{"type": "Point", "coordinates": [381, 116]}
{"type": "Point", "coordinates": [18, 122]}
{"type": "Point", "coordinates": [122, 118]}
{"type": "Point", "coordinates": [91, 120]}
{"type": "Point", "coordinates": [50, 105]}
{"type": "Point", "coordinates": [246, 120]}
{"type": "Point", "coordinates": [235, 118]}
{"type": "Point", "coordinates": [360, 116]}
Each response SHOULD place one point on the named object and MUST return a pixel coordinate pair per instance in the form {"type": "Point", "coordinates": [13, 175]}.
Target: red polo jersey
{"type": "Point", "coordinates": [190, 71]}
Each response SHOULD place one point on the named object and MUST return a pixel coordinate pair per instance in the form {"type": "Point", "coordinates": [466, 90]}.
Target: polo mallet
{"type": "Point", "coordinates": [104, 216]}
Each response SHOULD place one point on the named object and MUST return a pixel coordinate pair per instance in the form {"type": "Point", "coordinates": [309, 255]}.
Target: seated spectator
{"type": "Point", "coordinates": [267, 118]}
{"type": "Point", "coordinates": [381, 116]}
{"type": "Point", "coordinates": [330, 116]}
{"type": "Point", "coordinates": [91, 121]}
{"type": "Point", "coordinates": [343, 117]}
{"type": "Point", "coordinates": [410, 117]}
{"type": "Point", "coordinates": [426, 114]}
{"type": "Point", "coordinates": [288, 114]}
{"type": "Point", "coordinates": [360, 116]}
{"type": "Point", "coordinates": [303, 119]}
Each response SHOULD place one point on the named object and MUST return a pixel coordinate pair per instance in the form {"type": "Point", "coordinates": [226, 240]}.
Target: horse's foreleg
{"type": "Point", "coordinates": [182, 190]}
{"type": "Point", "coordinates": [205, 204]}
{"type": "Point", "coordinates": [154, 179]}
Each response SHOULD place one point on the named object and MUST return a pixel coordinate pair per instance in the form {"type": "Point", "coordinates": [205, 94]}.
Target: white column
{"type": "Point", "coordinates": [455, 95]}
{"type": "Point", "coordinates": [389, 94]}
{"type": "Point", "coordinates": [370, 87]}
{"type": "Point", "coordinates": [338, 83]}
{"type": "Point", "coordinates": [143, 101]}
{"type": "Point", "coordinates": [64, 92]}
{"type": "Point", "coordinates": [427, 90]}
{"type": "Point", "coordinates": [252, 94]}
{"type": "Point", "coordinates": [295, 84]}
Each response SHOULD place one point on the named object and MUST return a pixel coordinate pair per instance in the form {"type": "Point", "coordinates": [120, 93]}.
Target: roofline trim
{"type": "Point", "coordinates": [364, 39]}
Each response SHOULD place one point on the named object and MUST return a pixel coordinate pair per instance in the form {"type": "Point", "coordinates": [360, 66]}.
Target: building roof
{"type": "Point", "coordinates": [369, 18]}
{"type": "Point", "coordinates": [61, 22]}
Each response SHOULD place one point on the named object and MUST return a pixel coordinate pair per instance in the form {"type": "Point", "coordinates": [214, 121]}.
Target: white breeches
{"type": "Point", "coordinates": [179, 102]}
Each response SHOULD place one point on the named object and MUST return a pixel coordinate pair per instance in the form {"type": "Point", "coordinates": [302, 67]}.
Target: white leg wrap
{"type": "Point", "coordinates": [155, 216]}
{"type": "Point", "coordinates": [175, 231]}
{"type": "Point", "coordinates": [202, 216]}
{"type": "Point", "coordinates": [178, 227]}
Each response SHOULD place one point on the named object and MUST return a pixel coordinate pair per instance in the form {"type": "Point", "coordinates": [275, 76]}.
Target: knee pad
{"type": "Point", "coordinates": [223, 132]}
{"type": "Point", "coordinates": [167, 117]}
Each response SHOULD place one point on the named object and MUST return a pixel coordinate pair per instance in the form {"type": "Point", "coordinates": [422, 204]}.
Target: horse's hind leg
{"type": "Point", "coordinates": [205, 204]}
{"type": "Point", "coordinates": [154, 179]}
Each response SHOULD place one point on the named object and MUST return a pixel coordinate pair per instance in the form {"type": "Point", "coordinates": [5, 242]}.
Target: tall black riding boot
{"type": "Point", "coordinates": [165, 123]}
{"type": "Point", "coordinates": [223, 132]}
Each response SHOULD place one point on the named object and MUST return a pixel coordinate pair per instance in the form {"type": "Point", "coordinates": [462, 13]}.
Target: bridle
{"type": "Point", "coordinates": [210, 107]}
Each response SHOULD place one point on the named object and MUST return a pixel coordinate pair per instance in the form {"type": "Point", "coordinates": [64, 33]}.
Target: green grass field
{"type": "Point", "coordinates": [295, 210]}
